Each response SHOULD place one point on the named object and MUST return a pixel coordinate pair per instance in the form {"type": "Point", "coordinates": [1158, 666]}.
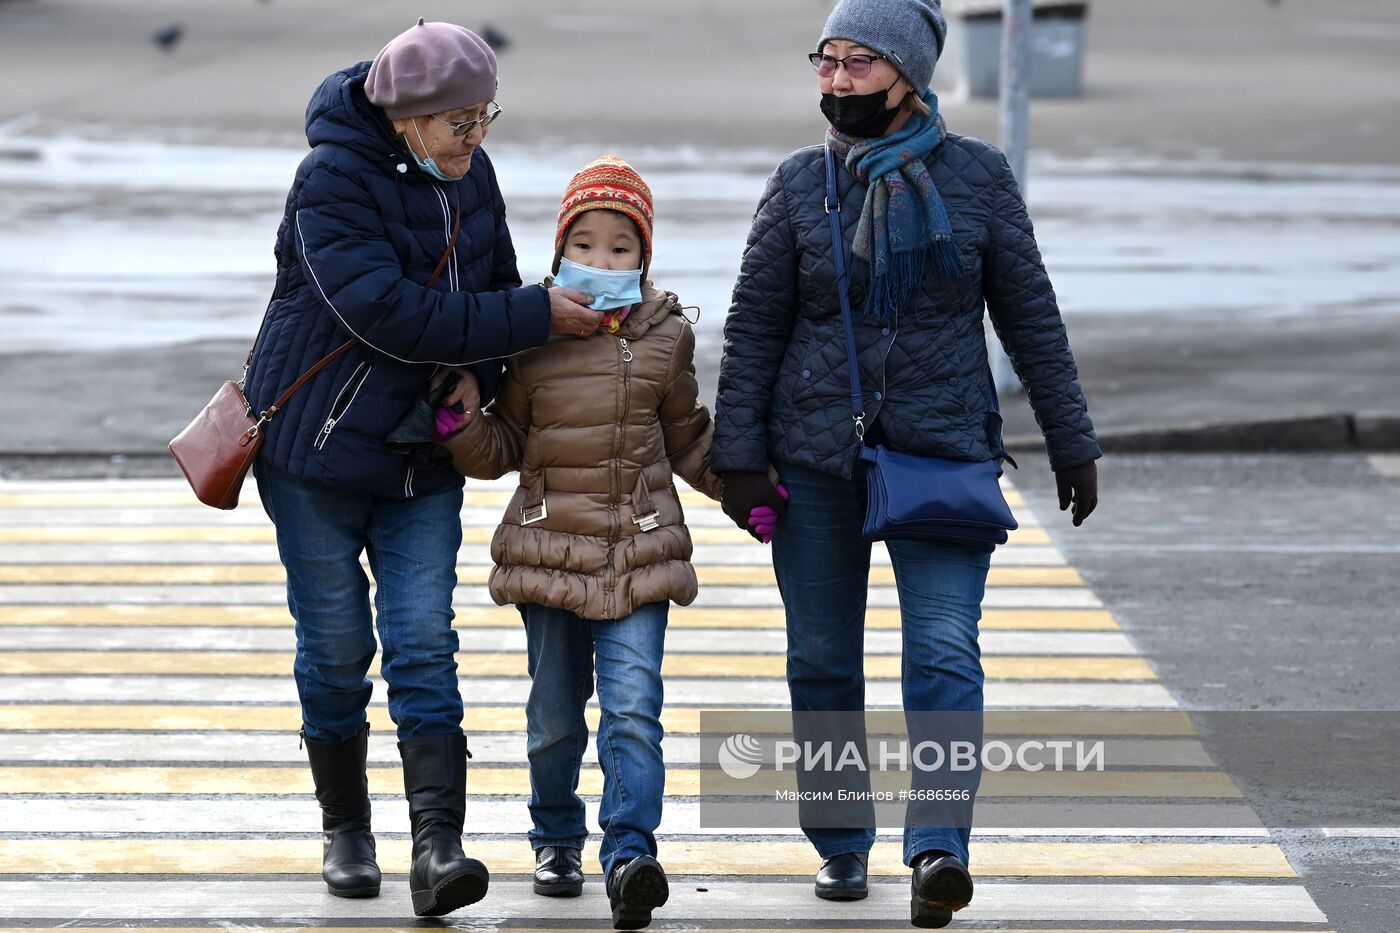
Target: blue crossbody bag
{"type": "Point", "coordinates": [956, 502]}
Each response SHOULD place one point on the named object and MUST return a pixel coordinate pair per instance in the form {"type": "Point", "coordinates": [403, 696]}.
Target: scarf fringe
{"type": "Point", "coordinates": [890, 292]}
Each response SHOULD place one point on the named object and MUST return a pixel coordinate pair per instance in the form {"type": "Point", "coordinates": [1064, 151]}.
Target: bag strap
{"type": "Point", "coordinates": [266, 416]}
{"type": "Point", "coordinates": [838, 247]}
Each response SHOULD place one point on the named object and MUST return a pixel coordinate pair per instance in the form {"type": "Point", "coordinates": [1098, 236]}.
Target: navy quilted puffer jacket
{"type": "Point", "coordinates": [363, 230]}
{"type": "Point", "coordinates": [784, 386]}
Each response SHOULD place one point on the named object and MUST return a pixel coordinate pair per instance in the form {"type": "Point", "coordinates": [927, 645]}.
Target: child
{"type": "Point", "coordinates": [593, 546]}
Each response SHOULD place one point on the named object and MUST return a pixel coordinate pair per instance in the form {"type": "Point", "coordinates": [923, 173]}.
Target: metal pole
{"type": "Point", "coordinates": [1016, 19]}
{"type": "Point", "coordinates": [1015, 86]}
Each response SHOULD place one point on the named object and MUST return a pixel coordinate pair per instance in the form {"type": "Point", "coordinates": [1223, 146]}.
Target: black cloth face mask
{"type": "Point", "coordinates": [860, 114]}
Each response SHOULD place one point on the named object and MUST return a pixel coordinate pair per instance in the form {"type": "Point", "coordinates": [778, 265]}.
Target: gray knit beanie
{"type": "Point", "coordinates": [431, 68]}
{"type": "Point", "coordinates": [910, 32]}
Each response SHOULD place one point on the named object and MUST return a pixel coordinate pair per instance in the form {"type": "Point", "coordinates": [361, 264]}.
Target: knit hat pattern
{"type": "Point", "coordinates": [431, 68]}
{"type": "Point", "coordinates": [910, 32]}
{"type": "Point", "coordinates": [607, 184]}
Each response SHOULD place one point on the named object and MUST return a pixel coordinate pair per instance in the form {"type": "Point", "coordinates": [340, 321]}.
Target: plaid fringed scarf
{"type": "Point", "coordinates": [904, 228]}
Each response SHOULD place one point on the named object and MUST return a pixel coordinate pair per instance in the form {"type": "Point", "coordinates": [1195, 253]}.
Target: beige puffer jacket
{"type": "Point", "coordinates": [596, 426]}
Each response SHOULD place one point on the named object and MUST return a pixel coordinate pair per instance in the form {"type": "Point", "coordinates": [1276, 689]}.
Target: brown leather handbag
{"type": "Point", "coordinates": [216, 450]}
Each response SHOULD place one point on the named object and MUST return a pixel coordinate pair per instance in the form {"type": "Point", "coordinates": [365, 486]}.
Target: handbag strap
{"type": "Point", "coordinates": [266, 416]}
{"type": "Point", "coordinates": [838, 248]}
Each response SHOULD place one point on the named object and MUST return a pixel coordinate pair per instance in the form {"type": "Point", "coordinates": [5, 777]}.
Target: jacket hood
{"type": "Point", "coordinates": [655, 307]}
{"type": "Point", "coordinates": [339, 113]}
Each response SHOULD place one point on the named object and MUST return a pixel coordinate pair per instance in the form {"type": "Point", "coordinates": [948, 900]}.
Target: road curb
{"type": "Point", "coordinates": [1332, 433]}
{"type": "Point", "coordinates": [1336, 432]}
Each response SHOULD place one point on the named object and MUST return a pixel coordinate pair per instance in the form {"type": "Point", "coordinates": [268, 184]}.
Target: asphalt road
{"type": "Point", "coordinates": [1260, 583]}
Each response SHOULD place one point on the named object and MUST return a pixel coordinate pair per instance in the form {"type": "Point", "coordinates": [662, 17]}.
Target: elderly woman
{"type": "Point", "coordinates": [938, 230]}
{"type": "Point", "coordinates": [394, 240]}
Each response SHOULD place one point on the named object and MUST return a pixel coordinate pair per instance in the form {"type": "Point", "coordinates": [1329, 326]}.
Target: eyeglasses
{"type": "Point", "coordinates": [466, 126]}
{"type": "Point", "coordinates": [857, 66]}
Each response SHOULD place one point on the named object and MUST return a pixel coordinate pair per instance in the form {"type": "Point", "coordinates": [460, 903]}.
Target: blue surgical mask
{"type": "Point", "coordinates": [609, 289]}
{"type": "Point", "coordinates": [428, 165]}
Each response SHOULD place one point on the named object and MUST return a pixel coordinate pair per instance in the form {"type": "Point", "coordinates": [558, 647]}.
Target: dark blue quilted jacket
{"type": "Point", "coordinates": [363, 230]}
{"type": "Point", "coordinates": [784, 386]}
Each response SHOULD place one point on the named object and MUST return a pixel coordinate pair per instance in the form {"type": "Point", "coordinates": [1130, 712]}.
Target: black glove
{"type": "Point", "coordinates": [1079, 485]}
{"type": "Point", "coordinates": [745, 491]}
{"type": "Point", "coordinates": [413, 435]}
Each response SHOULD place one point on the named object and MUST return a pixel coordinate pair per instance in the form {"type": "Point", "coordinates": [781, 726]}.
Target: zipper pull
{"type": "Point", "coordinates": [626, 351]}
{"type": "Point", "coordinates": [301, 741]}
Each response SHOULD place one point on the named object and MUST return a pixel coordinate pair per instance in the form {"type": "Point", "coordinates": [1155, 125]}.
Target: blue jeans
{"type": "Point", "coordinates": [412, 547]}
{"type": "Point", "coordinates": [823, 569]}
{"type": "Point", "coordinates": [563, 650]}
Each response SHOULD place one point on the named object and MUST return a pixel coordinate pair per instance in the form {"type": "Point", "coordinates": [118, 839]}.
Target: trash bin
{"type": "Point", "coordinates": [971, 62]}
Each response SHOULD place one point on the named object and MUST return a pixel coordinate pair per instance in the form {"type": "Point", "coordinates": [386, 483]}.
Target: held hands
{"type": "Point", "coordinates": [1079, 485]}
{"type": "Point", "coordinates": [745, 493]}
{"type": "Point", "coordinates": [456, 408]}
{"type": "Point", "coordinates": [448, 423]}
{"type": "Point", "coordinates": [568, 314]}
{"type": "Point", "coordinates": [763, 519]}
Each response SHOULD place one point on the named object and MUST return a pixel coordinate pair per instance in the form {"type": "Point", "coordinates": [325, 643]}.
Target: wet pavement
{"type": "Point", "coordinates": [1238, 292]}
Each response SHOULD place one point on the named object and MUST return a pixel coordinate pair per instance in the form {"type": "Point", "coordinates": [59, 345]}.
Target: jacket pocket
{"type": "Point", "coordinates": [343, 400]}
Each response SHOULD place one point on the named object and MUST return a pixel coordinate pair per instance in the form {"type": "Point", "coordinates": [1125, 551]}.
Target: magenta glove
{"type": "Point", "coordinates": [763, 519]}
{"type": "Point", "coordinates": [448, 423]}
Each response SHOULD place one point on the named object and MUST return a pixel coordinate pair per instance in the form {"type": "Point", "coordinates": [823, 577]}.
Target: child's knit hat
{"type": "Point", "coordinates": [608, 184]}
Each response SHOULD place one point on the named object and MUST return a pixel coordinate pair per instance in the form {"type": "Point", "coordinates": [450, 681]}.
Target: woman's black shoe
{"type": "Point", "coordinates": [635, 888]}
{"type": "Point", "coordinates": [558, 871]}
{"type": "Point", "coordinates": [347, 852]}
{"type": "Point", "coordinates": [941, 885]}
{"type": "Point", "coordinates": [442, 878]}
{"type": "Point", "coordinates": [843, 877]}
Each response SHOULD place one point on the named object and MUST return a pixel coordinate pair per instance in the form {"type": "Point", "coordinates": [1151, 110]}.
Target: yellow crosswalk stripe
{"type": "Point", "coordinates": [264, 534]}
{"type": "Point", "coordinates": [681, 857]}
{"type": "Point", "coordinates": [1082, 620]}
{"type": "Point", "coordinates": [63, 717]}
{"type": "Point", "coordinates": [138, 534]}
{"type": "Point", "coordinates": [512, 664]}
{"type": "Point", "coordinates": [495, 782]}
{"type": "Point", "coordinates": [711, 575]}
{"type": "Point", "coordinates": [116, 498]}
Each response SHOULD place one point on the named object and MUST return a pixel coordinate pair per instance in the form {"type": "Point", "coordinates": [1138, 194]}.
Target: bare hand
{"type": "Point", "coordinates": [1079, 485]}
{"type": "Point", "coordinates": [569, 315]}
{"type": "Point", "coordinates": [466, 396]}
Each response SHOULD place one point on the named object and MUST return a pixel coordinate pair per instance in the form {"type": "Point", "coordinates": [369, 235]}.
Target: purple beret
{"type": "Point", "coordinates": [431, 68]}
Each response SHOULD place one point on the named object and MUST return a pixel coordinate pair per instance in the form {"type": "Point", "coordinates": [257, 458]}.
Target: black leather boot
{"type": "Point", "coordinates": [558, 871]}
{"type": "Point", "coordinates": [442, 879]}
{"type": "Point", "coordinates": [342, 790]}
{"type": "Point", "coordinates": [941, 885]}
{"type": "Point", "coordinates": [843, 877]}
{"type": "Point", "coordinates": [636, 888]}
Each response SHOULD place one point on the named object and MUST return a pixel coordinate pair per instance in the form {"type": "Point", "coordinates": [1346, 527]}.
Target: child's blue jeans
{"type": "Point", "coordinates": [564, 651]}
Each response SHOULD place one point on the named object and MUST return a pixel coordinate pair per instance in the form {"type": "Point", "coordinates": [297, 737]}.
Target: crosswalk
{"type": "Point", "coordinates": [150, 774]}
